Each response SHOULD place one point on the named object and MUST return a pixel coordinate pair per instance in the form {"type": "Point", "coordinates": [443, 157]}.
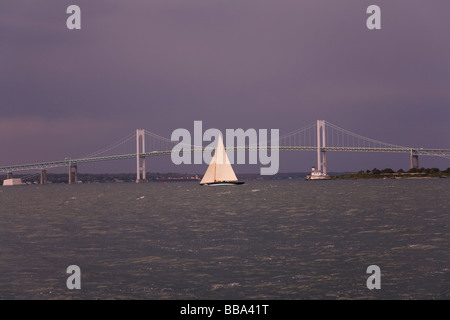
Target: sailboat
{"type": "Point", "coordinates": [220, 172]}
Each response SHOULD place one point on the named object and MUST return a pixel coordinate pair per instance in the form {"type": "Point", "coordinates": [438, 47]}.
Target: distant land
{"type": "Point", "coordinates": [400, 174]}
{"type": "Point", "coordinates": [151, 177]}
{"type": "Point", "coordinates": [170, 176]}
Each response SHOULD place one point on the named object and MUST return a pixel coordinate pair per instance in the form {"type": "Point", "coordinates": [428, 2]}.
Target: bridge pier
{"type": "Point", "coordinates": [414, 161]}
{"type": "Point", "coordinates": [75, 167]}
{"type": "Point", "coordinates": [43, 176]}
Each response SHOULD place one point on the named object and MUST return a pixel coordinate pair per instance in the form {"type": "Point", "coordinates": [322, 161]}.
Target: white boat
{"type": "Point", "coordinates": [317, 175]}
{"type": "Point", "coordinates": [220, 172]}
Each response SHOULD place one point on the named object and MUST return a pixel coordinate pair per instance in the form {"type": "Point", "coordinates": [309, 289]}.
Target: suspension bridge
{"type": "Point", "coordinates": [320, 136]}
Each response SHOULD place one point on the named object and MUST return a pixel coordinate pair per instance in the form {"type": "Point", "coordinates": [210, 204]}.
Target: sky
{"type": "Point", "coordinates": [160, 65]}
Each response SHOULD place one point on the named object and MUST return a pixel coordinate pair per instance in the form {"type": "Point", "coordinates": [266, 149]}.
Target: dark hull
{"type": "Point", "coordinates": [223, 183]}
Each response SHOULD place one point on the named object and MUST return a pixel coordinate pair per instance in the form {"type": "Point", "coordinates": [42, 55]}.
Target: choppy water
{"type": "Point", "coordinates": [262, 240]}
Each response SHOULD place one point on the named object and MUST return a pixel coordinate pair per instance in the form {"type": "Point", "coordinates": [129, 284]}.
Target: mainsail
{"type": "Point", "coordinates": [220, 169]}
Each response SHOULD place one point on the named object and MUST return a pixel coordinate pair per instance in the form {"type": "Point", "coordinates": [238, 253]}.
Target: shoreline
{"type": "Point", "coordinates": [392, 176]}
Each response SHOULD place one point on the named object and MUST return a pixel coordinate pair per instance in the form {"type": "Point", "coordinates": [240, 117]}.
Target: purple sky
{"type": "Point", "coordinates": [161, 64]}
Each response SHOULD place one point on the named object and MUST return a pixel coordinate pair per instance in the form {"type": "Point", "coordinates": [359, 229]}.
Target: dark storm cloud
{"type": "Point", "coordinates": [244, 63]}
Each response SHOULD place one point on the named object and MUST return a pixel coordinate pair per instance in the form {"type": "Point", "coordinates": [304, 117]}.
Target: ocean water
{"type": "Point", "coordinates": [289, 239]}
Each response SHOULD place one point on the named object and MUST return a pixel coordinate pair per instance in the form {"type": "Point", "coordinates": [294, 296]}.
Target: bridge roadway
{"type": "Point", "coordinates": [72, 162]}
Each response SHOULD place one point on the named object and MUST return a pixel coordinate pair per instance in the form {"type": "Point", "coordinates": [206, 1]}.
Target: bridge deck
{"type": "Point", "coordinates": [71, 162]}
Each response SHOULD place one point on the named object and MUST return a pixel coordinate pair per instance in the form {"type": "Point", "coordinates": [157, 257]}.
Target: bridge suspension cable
{"type": "Point", "coordinates": [122, 146]}
{"type": "Point", "coordinates": [339, 137]}
{"type": "Point", "coordinates": [155, 142]}
{"type": "Point", "coordinates": [305, 138]}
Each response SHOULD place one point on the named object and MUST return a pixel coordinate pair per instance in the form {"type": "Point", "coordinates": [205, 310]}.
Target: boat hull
{"type": "Point", "coordinates": [222, 183]}
{"type": "Point", "coordinates": [310, 177]}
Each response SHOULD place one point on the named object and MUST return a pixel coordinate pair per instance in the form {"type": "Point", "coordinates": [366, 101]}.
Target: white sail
{"type": "Point", "coordinates": [220, 168]}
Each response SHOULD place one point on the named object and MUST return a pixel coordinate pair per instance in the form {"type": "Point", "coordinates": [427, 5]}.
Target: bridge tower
{"type": "Point", "coordinates": [140, 161]}
{"type": "Point", "coordinates": [321, 143]}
